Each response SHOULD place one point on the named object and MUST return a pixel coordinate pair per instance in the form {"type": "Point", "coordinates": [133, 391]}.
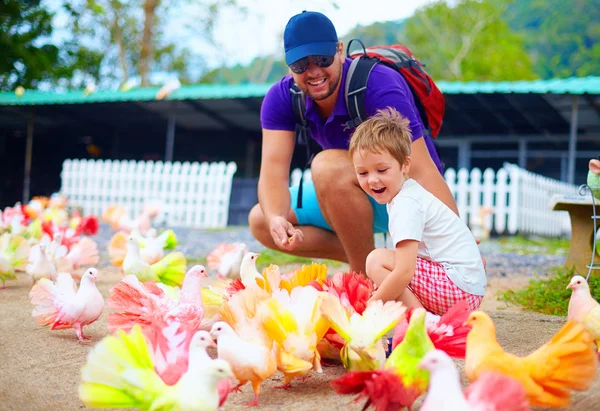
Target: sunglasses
{"type": "Point", "coordinates": [300, 66]}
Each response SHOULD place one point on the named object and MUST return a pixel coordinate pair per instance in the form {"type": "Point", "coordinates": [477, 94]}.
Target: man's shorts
{"type": "Point", "coordinates": [310, 213]}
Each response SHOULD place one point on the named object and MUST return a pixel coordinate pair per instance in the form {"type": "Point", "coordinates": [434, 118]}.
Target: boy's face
{"type": "Point", "coordinates": [379, 174]}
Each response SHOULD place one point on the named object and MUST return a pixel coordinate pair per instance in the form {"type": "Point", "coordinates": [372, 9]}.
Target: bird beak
{"type": "Point", "coordinates": [569, 286]}
{"type": "Point", "coordinates": [468, 322]}
{"type": "Point", "coordinates": [214, 344]}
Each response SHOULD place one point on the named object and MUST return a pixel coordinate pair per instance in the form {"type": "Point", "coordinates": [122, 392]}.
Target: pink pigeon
{"type": "Point", "coordinates": [61, 305]}
{"type": "Point", "coordinates": [133, 302]}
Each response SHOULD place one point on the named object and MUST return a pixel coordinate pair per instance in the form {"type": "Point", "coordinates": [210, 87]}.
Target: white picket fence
{"type": "Point", "coordinates": [509, 201]}
{"type": "Point", "coordinates": [190, 194]}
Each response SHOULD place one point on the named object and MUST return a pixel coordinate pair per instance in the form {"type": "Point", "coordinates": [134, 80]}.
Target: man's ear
{"type": "Point", "coordinates": [341, 48]}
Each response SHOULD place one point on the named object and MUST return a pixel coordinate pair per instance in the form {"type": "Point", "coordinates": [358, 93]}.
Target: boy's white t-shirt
{"type": "Point", "coordinates": [416, 214]}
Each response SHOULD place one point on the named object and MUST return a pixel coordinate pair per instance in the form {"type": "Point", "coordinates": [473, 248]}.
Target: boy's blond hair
{"type": "Point", "coordinates": [386, 130]}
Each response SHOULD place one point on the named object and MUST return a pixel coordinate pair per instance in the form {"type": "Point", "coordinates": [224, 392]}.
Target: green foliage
{"type": "Point", "coordinates": [260, 70]}
{"type": "Point", "coordinates": [535, 245]}
{"type": "Point", "coordinates": [380, 33]}
{"type": "Point", "coordinates": [268, 256]}
{"type": "Point", "coordinates": [563, 37]}
{"type": "Point", "coordinates": [27, 55]}
{"type": "Point", "coordinates": [467, 41]}
{"type": "Point", "coordinates": [548, 295]}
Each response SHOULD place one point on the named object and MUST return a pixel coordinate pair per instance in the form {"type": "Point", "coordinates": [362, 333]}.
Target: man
{"type": "Point", "coordinates": [337, 219]}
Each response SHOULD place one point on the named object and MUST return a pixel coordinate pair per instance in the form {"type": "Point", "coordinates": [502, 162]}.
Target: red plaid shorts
{"type": "Point", "coordinates": [436, 291]}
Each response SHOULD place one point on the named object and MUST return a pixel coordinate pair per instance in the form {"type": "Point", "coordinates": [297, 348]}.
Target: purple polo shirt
{"type": "Point", "coordinates": [385, 88]}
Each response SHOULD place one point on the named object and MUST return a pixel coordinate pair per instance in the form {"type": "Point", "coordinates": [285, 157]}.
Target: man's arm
{"type": "Point", "coordinates": [273, 184]}
{"type": "Point", "coordinates": [425, 172]}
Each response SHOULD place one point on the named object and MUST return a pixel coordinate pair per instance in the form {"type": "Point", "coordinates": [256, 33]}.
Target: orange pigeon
{"type": "Point", "coordinates": [567, 362]}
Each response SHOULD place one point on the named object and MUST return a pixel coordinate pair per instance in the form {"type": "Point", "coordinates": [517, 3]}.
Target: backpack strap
{"type": "Point", "coordinates": [355, 89]}
{"type": "Point", "coordinates": [302, 132]}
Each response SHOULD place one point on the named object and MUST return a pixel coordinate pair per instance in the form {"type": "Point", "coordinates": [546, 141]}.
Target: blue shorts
{"type": "Point", "coordinates": [310, 213]}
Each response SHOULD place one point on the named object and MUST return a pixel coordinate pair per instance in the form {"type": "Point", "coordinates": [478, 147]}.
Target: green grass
{"type": "Point", "coordinates": [196, 260]}
{"type": "Point", "coordinates": [268, 256]}
{"type": "Point", "coordinates": [548, 295]}
{"type": "Point", "coordinates": [535, 245]}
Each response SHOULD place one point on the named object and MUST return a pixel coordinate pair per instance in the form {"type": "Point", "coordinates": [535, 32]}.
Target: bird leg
{"type": "Point", "coordinates": [287, 380]}
{"type": "Point", "coordinates": [256, 389]}
{"type": "Point", "coordinates": [237, 387]}
{"type": "Point", "coordinates": [329, 363]}
{"type": "Point", "coordinates": [285, 386]}
{"type": "Point", "coordinates": [80, 335]}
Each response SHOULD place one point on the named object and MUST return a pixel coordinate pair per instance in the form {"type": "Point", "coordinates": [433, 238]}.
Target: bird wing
{"type": "Point", "coordinates": [591, 322]}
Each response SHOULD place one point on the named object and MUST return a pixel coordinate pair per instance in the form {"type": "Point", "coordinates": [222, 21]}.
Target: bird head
{"type": "Point", "coordinates": [91, 274]}
{"type": "Point", "coordinates": [219, 329]}
{"type": "Point", "coordinates": [197, 271]}
{"type": "Point", "coordinates": [478, 320]}
{"type": "Point", "coordinates": [250, 258]}
{"type": "Point", "coordinates": [202, 339]}
{"type": "Point", "coordinates": [436, 360]}
{"type": "Point", "coordinates": [132, 242]}
{"type": "Point", "coordinates": [577, 283]}
{"type": "Point", "coordinates": [219, 370]}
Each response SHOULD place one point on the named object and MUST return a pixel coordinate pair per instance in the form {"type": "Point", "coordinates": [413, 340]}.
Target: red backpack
{"type": "Point", "coordinates": [428, 98]}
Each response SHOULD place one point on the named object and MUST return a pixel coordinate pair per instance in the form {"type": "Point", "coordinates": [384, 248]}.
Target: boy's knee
{"type": "Point", "coordinates": [374, 261]}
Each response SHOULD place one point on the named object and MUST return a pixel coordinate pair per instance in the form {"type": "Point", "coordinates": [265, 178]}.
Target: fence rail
{"type": "Point", "coordinates": [508, 201]}
{"type": "Point", "coordinates": [190, 194]}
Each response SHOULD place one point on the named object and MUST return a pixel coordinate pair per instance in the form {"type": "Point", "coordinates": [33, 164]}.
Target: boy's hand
{"type": "Point", "coordinates": [284, 234]}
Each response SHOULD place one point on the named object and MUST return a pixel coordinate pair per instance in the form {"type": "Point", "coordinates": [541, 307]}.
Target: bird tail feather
{"type": "Point", "coordinates": [171, 269]}
{"type": "Point", "coordinates": [119, 373]}
{"type": "Point", "coordinates": [572, 350]}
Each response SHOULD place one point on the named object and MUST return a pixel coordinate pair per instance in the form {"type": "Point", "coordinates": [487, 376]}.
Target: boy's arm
{"type": "Point", "coordinates": [404, 269]}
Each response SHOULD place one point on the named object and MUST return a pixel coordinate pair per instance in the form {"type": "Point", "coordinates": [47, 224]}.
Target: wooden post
{"type": "Point", "coordinates": [28, 155]}
{"type": "Point", "coordinates": [170, 134]}
{"type": "Point", "coordinates": [573, 139]}
{"type": "Point", "coordinates": [250, 148]}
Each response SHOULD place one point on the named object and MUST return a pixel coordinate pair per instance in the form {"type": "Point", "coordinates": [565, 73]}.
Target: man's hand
{"type": "Point", "coordinates": [284, 234]}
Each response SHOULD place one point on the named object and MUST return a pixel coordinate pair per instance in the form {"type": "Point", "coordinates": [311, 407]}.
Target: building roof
{"type": "Point", "coordinates": [574, 85]}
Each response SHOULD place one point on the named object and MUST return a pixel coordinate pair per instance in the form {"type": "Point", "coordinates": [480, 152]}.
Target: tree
{"type": "Point", "coordinates": [134, 37]}
{"type": "Point", "coordinates": [563, 37]}
{"type": "Point", "coordinates": [468, 41]}
{"type": "Point", "coordinates": [27, 55]}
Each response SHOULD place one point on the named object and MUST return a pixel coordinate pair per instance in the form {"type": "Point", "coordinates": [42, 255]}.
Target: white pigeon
{"type": "Point", "coordinates": [492, 391]}
{"type": "Point", "coordinates": [133, 263]}
{"type": "Point", "coordinates": [231, 262]}
{"type": "Point", "coordinates": [248, 271]}
{"type": "Point", "coordinates": [120, 373]}
{"type": "Point", "coordinates": [39, 265]}
{"type": "Point", "coordinates": [154, 247]}
{"type": "Point", "coordinates": [60, 305]}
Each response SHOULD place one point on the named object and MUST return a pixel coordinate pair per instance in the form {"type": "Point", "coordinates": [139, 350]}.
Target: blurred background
{"type": "Point", "coordinates": [79, 79]}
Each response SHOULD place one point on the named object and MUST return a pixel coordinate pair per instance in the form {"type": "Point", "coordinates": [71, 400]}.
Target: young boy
{"type": "Point", "coordinates": [436, 261]}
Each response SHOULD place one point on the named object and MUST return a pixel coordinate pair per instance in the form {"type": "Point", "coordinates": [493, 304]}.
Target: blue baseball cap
{"type": "Point", "coordinates": [309, 34]}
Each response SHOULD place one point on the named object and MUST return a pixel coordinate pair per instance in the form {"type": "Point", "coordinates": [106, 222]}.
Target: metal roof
{"type": "Point", "coordinates": [573, 85]}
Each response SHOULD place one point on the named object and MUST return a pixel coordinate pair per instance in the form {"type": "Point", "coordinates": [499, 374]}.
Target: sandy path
{"type": "Point", "coordinates": [40, 368]}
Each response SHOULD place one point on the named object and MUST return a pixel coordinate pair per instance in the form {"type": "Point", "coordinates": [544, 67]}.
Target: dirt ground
{"type": "Point", "coordinates": [40, 369]}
